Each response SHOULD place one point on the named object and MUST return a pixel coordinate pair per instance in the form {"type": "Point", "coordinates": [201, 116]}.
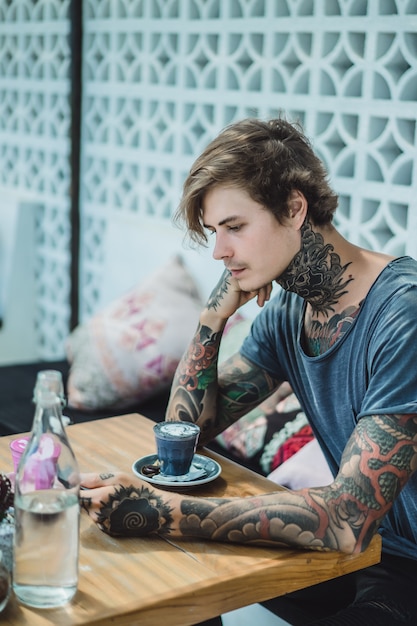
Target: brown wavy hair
{"type": "Point", "coordinates": [267, 160]}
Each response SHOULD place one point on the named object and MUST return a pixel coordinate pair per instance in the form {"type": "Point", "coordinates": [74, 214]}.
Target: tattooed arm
{"type": "Point", "coordinates": [199, 392]}
{"type": "Point", "coordinates": [379, 458]}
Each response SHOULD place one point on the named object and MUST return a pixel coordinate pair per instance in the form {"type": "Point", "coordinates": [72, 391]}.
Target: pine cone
{"type": "Point", "coordinates": [6, 495]}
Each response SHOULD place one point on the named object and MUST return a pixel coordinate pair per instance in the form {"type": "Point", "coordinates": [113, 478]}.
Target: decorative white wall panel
{"type": "Point", "coordinates": [162, 77]}
{"type": "Point", "coordinates": [34, 147]}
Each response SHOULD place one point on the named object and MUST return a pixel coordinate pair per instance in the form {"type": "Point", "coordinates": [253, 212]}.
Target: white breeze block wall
{"type": "Point", "coordinates": [163, 77]}
{"type": "Point", "coordinates": [34, 161]}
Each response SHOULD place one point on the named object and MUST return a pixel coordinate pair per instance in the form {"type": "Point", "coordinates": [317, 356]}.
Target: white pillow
{"type": "Point", "coordinates": [129, 351]}
{"type": "Point", "coordinates": [306, 468]}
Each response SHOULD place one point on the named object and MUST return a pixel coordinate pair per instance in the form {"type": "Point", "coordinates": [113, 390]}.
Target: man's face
{"type": "Point", "coordinates": [253, 245]}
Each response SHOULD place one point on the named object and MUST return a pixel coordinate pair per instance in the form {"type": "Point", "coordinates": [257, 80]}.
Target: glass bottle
{"type": "Point", "coordinates": [47, 512]}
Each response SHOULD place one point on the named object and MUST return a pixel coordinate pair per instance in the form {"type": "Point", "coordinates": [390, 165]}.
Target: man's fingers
{"type": "Point", "coordinates": [86, 502]}
{"type": "Point", "coordinates": [264, 294]}
{"type": "Point", "coordinates": [93, 480]}
{"type": "Point", "coordinates": [92, 500]}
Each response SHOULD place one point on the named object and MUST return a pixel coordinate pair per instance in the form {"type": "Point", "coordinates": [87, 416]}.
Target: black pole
{"type": "Point", "coordinates": [76, 10]}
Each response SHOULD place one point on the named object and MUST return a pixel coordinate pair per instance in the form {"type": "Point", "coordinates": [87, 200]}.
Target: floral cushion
{"type": "Point", "coordinates": [129, 351]}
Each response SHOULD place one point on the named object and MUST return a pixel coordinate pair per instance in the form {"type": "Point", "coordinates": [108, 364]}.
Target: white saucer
{"type": "Point", "coordinates": [200, 465]}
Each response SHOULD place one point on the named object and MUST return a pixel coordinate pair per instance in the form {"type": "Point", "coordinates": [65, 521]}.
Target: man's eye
{"type": "Point", "coordinates": [234, 228]}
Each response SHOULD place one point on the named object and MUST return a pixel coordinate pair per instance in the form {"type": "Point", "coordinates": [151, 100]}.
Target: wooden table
{"type": "Point", "coordinates": [152, 581]}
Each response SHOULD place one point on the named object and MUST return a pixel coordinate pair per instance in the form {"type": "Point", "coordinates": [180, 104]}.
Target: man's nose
{"type": "Point", "coordinates": [221, 250]}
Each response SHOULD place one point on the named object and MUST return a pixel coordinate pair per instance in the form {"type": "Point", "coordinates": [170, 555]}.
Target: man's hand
{"type": "Point", "coordinates": [121, 505]}
{"type": "Point", "coordinates": [227, 297]}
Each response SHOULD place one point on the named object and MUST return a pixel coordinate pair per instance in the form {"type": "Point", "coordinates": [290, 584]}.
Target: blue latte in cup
{"type": "Point", "coordinates": [176, 443]}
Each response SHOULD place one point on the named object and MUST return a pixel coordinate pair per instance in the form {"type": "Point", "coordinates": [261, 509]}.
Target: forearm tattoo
{"type": "Point", "coordinates": [379, 459]}
{"type": "Point", "coordinates": [217, 293]}
{"type": "Point", "coordinates": [243, 386]}
{"type": "Point", "coordinates": [196, 372]}
{"type": "Point", "coordinates": [134, 512]}
{"type": "Point", "coordinates": [240, 387]}
{"type": "Point", "coordinates": [198, 368]}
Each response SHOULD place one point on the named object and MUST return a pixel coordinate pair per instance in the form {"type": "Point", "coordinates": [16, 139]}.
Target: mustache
{"type": "Point", "coordinates": [235, 267]}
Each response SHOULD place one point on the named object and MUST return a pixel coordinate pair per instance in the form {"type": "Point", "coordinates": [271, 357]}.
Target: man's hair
{"type": "Point", "coordinates": [267, 160]}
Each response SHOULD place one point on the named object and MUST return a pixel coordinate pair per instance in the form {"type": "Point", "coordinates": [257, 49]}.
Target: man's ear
{"type": "Point", "coordinates": [297, 208]}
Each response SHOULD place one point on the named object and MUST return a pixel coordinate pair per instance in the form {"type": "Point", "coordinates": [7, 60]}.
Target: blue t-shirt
{"type": "Point", "coordinates": [370, 370]}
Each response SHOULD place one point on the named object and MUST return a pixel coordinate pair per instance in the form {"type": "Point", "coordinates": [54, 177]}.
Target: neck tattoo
{"type": "Point", "coordinates": [315, 273]}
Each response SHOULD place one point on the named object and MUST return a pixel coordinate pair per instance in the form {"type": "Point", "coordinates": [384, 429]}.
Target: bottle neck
{"type": "Point", "coordinates": [48, 418]}
{"type": "Point", "coordinates": [48, 461]}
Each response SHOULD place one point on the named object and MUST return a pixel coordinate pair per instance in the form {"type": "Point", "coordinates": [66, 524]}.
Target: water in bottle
{"type": "Point", "coordinates": [47, 512]}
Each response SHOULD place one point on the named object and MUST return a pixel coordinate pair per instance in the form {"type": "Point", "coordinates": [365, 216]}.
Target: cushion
{"type": "Point", "coordinates": [306, 468]}
{"type": "Point", "coordinates": [129, 351]}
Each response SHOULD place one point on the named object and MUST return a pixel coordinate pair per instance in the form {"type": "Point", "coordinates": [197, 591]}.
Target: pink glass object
{"type": "Point", "coordinates": [17, 448]}
{"type": "Point", "coordinates": [40, 468]}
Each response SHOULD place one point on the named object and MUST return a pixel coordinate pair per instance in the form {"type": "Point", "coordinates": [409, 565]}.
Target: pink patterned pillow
{"type": "Point", "coordinates": [130, 350]}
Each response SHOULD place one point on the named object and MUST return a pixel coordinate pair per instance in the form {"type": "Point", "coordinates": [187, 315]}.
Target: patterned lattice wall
{"type": "Point", "coordinates": [162, 77]}
{"type": "Point", "coordinates": [34, 146]}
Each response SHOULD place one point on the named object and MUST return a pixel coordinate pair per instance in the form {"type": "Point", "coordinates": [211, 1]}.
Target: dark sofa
{"type": "Point", "coordinates": [17, 409]}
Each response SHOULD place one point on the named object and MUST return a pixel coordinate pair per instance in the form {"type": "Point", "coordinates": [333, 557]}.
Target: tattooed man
{"type": "Point", "coordinates": [342, 331]}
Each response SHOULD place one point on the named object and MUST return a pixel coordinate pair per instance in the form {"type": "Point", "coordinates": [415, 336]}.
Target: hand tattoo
{"type": "Point", "coordinates": [134, 512]}
{"type": "Point", "coordinates": [85, 504]}
{"type": "Point", "coordinates": [106, 476]}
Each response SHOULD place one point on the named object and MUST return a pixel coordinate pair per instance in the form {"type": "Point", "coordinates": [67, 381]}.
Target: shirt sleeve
{"type": "Point", "coordinates": [392, 364]}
